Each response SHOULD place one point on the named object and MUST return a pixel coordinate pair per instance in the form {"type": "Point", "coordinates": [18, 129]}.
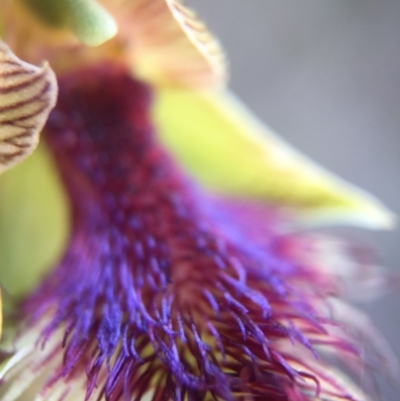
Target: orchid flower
{"type": "Point", "coordinates": [152, 247]}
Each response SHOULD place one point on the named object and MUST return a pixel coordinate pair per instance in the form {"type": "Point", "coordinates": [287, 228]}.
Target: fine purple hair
{"type": "Point", "coordinates": [163, 288]}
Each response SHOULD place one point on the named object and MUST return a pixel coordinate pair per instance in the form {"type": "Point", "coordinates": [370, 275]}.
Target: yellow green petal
{"type": "Point", "coordinates": [27, 95]}
{"type": "Point", "coordinates": [33, 222]}
{"type": "Point", "coordinates": [1, 314]}
{"type": "Point", "coordinates": [231, 152]}
{"type": "Point", "coordinates": [86, 19]}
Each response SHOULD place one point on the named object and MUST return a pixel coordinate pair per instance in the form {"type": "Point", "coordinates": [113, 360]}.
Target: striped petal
{"type": "Point", "coordinates": [227, 149]}
{"type": "Point", "coordinates": [27, 95]}
{"type": "Point", "coordinates": [170, 44]}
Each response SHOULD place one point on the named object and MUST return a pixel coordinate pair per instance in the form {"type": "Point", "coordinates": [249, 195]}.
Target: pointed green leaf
{"type": "Point", "coordinates": [230, 151]}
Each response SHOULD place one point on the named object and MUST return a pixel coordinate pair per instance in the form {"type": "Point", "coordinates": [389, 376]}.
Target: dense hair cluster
{"type": "Point", "coordinates": [163, 290]}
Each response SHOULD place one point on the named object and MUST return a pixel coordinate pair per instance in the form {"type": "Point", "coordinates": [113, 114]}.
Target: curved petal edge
{"type": "Point", "coordinates": [172, 45]}
{"type": "Point", "coordinates": [27, 95]}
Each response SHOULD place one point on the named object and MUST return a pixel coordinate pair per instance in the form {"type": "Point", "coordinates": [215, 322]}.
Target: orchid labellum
{"type": "Point", "coordinates": [151, 247]}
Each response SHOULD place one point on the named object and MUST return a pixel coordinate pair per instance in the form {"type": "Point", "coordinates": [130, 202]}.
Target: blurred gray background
{"type": "Point", "coordinates": [325, 74]}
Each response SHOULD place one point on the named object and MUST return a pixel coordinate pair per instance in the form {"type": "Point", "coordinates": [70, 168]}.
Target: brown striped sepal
{"type": "Point", "coordinates": [170, 45]}
{"type": "Point", "coordinates": [27, 95]}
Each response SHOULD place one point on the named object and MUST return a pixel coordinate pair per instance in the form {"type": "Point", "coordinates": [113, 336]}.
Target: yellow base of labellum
{"type": "Point", "coordinates": [25, 373]}
{"type": "Point", "coordinates": [31, 372]}
{"type": "Point", "coordinates": [31, 365]}
{"type": "Point", "coordinates": [230, 151]}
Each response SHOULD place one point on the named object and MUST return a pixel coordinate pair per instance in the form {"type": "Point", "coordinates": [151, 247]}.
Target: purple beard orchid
{"type": "Point", "coordinates": [165, 291]}
{"type": "Point", "coordinates": [158, 287]}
